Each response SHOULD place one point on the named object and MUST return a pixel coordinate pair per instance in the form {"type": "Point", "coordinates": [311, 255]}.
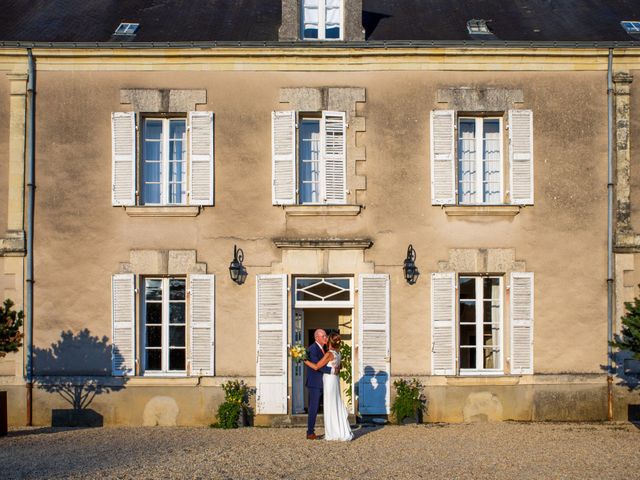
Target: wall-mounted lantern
{"type": "Point", "coordinates": [236, 270]}
{"type": "Point", "coordinates": [411, 272]}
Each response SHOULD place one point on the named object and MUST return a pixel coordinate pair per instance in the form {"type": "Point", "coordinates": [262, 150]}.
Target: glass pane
{"type": "Point", "coordinates": [154, 313]}
{"type": "Point", "coordinates": [176, 171]}
{"type": "Point", "coordinates": [490, 335]}
{"type": "Point", "coordinates": [153, 129]}
{"type": "Point", "coordinates": [177, 359]}
{"type": "Point", "coordinates": [309, 166]}
{"type": "Point", "coordinates": [491, 312]}
{"type": "Point", "coordinates": [152, 150]}
{"type": "Point", "coordinates": [151, 193]}
{"type": "Point", "coordinates": [467, 335]}
{"type": "Point", "coordinates": [491, 358]}
{"type": "Point", "coordinates": [154, 359]}
{"type": "Point", "coordinates": [491, 163]}
{"type": "Point", "coordinates": [490, 288]}
{"type": "Point", "coordinates": [332, 32]}
{"type": "Point", "coordinates": [468, 287]}
{"type": "Point", "coordinates": [467, 161]}
{"type": "Point", "coordinates": [177, 312]}
{"type": "Point", "coordinates": [153, 289]}
{"type": "Point", "coordinates": [467, 311]}
{"type": "Point", "coordinates": [467, 358]}
{"type": "Point", "coordinates": [177, 288]}
{"type": "Point", "coordinates": [154, 336]}
{"type": "Point", "coordinates": [341, 282]}
{"type": "Point", "coordinates": [176, 193]}
{"type": "Point", "coordinates": [177, 129]}
{"type": "Point", "coordinates": [176, 336]}
{"type": "Point", "coordinates": [305, 282]}
{"type": "Point", "coordinates": [311, 32]}
{"type": "Point", "coordinates": [151, 171]}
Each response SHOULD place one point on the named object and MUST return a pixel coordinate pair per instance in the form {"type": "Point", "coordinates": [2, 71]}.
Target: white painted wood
{"type": "Point", "coordinates": [333, 151]}
{"type": "Point", "coordinates": [443, 323]}
{"type": "Point", "coordinates": [123, 341]}
{"type": "Point", "coordinates": [283, 150]}
{"type": "Point", "coordinates": [202, 324]}
{"type": "Point", "coordinates": [123, 158]}
{"type": "Point", "coordinates": [521, 156]}
{"type": "Point", "coordinates": [521, 309]}
{"type": "Point", "coordinates": [271, 344]}
{"type": "Point", "coordinates": [443, 163]}
{"type": "Point", "coordinates": [201, 154]}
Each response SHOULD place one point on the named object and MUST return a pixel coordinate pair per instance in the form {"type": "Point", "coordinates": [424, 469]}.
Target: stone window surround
{"type": "Point", "coordinates": [482, 261]}
{"type": "Point", "coordinates": [162, 262]}
{"type": "Point", "coordinates": [290, 28]}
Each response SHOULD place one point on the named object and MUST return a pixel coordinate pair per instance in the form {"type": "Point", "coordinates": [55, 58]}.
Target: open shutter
{"type": "Point", "coordinates": [521, 156]}
{"type": "Point", "coordinates": [271, 344]}
{"type": "Point", "coordinates": [443, 322]}
{"type": "Point", "coordinates": [443, 176]}
{"type": "Point", "coordinates": [202, 315]}
{"type": "Point", "coordinates": [201, 156]}
{"type": "Point", "coordinates": [334, 155]}
{"type": "Point", "coordinates": [375, 362]}
{"type": "Point", "coordinates": [521, 323]}
{"type": "Point", "coordinates": [123, 348]}
{"type": "Point", "coordinates": [123, 158]}
{"type": "Point", "coordinates": [283, 150]}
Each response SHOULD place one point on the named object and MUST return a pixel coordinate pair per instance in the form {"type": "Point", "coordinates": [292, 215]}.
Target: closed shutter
{"type": "Point", "coordinates": [123, 158]}
{"type": "Point", "coordinates": [271, 340]}
{"type": "Point", "coordinates": [123, 345]}
{"type": "Point", "coordinates": [202, 315]}
{"type": "Point", "coordinates": [201, 156]}
{"type": "Point", "coordinates": [375, 363]}
{"type": "Point", "coordinates": [443, 176]}
{"type": "Point", "coordinates": [521, 323]}
{"type": "Point", "coordinates": [283, 134]}
{"type": "Point", "coordinates": [334, 155]}
{"type": "Point", "coordinates": [443, 323]}
{"type": "Point", "coordinates": [521, 156]}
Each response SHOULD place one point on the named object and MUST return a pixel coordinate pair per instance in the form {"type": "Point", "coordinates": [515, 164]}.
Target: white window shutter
{"type": "Point", "coordinates": [333, 133]}
{"type": "Point", "coordinates": [375, 362]}
{"type": "Point", "coordinates": [123, 344]}
{"type": "Point", "coordinates": [283, 150]}
{"type": "Point", "coordinates": [123, 158]}
{"type": "Point", "coordinates": [443, 176]}
{"type": "Point", "coordinates": [521, 156]}
{"type": "Point", "coordinates": [521, 308]}
{"type": "Point", "coordinates": [202, 324]}
{"type": "Point", "coordinates": [201, 156]}
{"type": "Point", "coordinates": [443, 323]}
{"type": "Point", "coordinates": [271, 344]}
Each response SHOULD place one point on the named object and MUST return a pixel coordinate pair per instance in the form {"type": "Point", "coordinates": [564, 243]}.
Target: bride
{"type": "Point", "coordinates": [336, 417]}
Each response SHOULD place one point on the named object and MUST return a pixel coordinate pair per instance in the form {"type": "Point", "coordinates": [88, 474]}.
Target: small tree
{"type": "Point", "coordinates": [10, 324]}
{"type": "Point", "coordinates": [630, 338]}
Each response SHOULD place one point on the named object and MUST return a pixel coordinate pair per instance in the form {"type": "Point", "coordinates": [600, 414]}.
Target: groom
{"type": "Point", "coordinates": [314, 380]}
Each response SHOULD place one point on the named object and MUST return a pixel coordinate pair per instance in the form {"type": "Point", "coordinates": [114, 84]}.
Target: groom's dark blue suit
{"type": "Point", "coordinates": [314, 385]}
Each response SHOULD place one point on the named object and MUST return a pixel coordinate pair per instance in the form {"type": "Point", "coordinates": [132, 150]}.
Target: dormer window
{"type": "Point", "coordinates": [322, 19]}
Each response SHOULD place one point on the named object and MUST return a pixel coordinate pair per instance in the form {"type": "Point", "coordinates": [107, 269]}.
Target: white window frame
{"type": "Point", "coordinates": [321, 161]}
{"type": "Point", "coordinates": [479, 300]}
{"type": "Point", "coordinates": [322, 22]}
{"type": "Point", "coordinates": [164, 162]}
{"type": "Point", "coordinates": [322, 303]}
{"type": "Point", "coordinates": [479, 150]}
{"type": "Point", "coordinates": [165, 328]}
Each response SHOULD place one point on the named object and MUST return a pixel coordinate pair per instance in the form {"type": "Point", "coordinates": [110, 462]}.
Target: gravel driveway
{"type": "Point", "coordinates": [499, 450]}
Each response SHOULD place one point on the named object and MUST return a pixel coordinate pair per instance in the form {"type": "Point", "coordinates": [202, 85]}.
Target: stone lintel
{"type": "Point", "coordinates": [622, 77]}
{"type": "Point", "coordinates": [312, 99]}
{"type": "Point", "coordinates": [474, 99]}
{"type": "Point", "coordinates": [163, 100]}
{"type": "Point", "coordinates": [163, 262]}
{"type": "Point", "coordinates": [336, 243]}
{"type": "Point", "coordinates": [482, 260]}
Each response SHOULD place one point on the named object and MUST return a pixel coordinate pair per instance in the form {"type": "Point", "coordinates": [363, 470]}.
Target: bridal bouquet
{"type": "Point", "coordinates": [298, 353]}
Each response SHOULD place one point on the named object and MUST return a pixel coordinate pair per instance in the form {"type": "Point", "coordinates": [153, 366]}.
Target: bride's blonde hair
{"type": "Point", "coordinates": [335, 341]}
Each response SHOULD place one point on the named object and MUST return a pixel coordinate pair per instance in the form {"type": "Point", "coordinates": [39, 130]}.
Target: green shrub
{"type": "Point", "coordinates": [236, 402]}
{"type": "Point", "coordinates": [345, 370]}
{"type": "Point", "coordinates": [10, 323]}
{"type": "Point", "coordinates": [409, 400]}
{"type": "Point", "coordinates": [228, 414]}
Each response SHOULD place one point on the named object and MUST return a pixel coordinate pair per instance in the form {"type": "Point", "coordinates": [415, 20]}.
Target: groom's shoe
{"type": "Point", "coordinates": [312, 436]}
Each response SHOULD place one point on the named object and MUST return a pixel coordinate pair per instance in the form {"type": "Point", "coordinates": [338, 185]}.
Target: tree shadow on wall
{"type": "Point", "coordinates": [78, 368]}
{"type": "Point", "coordinates": [626, 372]}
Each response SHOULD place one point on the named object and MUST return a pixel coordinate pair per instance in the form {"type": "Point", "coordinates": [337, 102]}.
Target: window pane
{"type": "Point", "coordinates": [177, 359]}
{"type": "Point", "coordinates": [341, 282]}
{"type": "Point", "coordinates": [467, 311]}
{"type": "Point", "coordinates": [151, 193]}
{"type": "Point", "coordinates": [490, 335]}
{"type": "Point", "coordinates": [154, 359]}
{"type": "Point", "coordinates": [467, 335]}
{"type": "Point", "coordinates": [152, 150]}
{"type": "Point", "coordinates": [491, 358]}
{"type": "Point", "coordinates": [153, 129]}
{"type": "Point", "coordinates": [152, 171]}
{"type": "Point", "coordinates": [490, 288]}
{"type": "Point", "coordinates": [176, 193]}
{"type": "Point", "coordinates": [176, 336]}
{"type": "Point", "coordinates": [154, 336]}
{"type": "Point", "coordinates": [491, 161]}
{"type": "Point", "coordinates": [177, 129]}
{"type": "Point", "coordinates": [153, 289]}
{"type": "Point", "coordinates": [467, 358]}
{"type": "Point", "coordinates": [154, 313]}
{"type": "Point", "coordinates": [177, 313]}
{"type": "Point", "coordinates": [468, 287]}
{"type": "Point", "coordinates": [177, 288]}
{"type": "Point", "coordinates": [309, 165]}
{"type": "Point", "coordinates": [467, 161]}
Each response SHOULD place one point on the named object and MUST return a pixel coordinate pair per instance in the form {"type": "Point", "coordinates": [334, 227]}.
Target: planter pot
{"type": "Point", "coordinates": [86, 418]}
{"type": "Point", "coordinates": [3, 414]}
{"type": "Point", "coordinates": [244, 418]}
{"type": "Point", "coordinates": [415, 419]}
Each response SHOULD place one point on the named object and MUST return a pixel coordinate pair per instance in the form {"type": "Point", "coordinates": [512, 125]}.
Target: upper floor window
{"type": "Point", "coordinates": [322, 19]}
{"type": "Point", "coordinates": [169, 163]}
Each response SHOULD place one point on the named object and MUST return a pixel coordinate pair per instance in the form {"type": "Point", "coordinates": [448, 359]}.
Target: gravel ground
{"type": "Point", "coordinates": [498, 450]}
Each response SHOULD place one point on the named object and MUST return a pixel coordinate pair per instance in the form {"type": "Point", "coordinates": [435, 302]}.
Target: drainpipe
{"type": "Point", "coordinates": [610, 236]}
{"type": "Point", "coordinates": [30, 202]}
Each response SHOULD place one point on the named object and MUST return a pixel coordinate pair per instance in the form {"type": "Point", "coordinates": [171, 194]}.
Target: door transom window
{"type": "Point", "coordinates": [328, 292]}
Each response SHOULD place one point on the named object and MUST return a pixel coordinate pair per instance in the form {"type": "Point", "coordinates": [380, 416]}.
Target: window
{"type": "Point", "coordinates": [631, 26]}
{"type": "Point", "coordinates": [309, 158]}
{"type": "Point", "coordinates": [322, 19]}
{"type": "Point", "coordinates": [480, 324]}
{"type": "Point", "coordinates": [329, 292]}
{"type": "Point", "coordinates": [127, 28]}
{"type": "Point", "coordinates": [480, 160]}
{"type": "Point", "coordinates": [165, 324]}
{"type": "Point", "coordinates": [175, 162]}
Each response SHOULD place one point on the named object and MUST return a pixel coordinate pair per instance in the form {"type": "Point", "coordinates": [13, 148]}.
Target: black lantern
{"type": "Point", "coordinates": [236, 270]}
{"type": "Point", "coordinates": [411, 272]}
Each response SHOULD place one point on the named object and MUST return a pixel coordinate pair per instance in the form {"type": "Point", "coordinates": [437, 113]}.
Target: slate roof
{"type": "Point", "coordinates": [259, 20]}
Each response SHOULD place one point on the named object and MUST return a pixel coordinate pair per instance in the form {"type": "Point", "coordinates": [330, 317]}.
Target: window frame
{"type": "Point", "coordinates": [323, 303]}
{"type": "Point", "coordinates": [165, 324]}
{"type": "Point", "coordinates": [479, 158]}
{"type": "Point", "coordinates": [322, 28]}
{"type": "Point", "coordinates": [479, 300]}
{"type": "Point", "coordinates": [315, 117]}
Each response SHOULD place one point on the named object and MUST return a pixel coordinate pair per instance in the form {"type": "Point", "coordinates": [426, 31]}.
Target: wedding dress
{"type": "Point", "coordinates": [336, 417]}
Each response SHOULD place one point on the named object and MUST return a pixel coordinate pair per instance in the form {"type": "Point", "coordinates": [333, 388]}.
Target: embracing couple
{"type": "Point", "coordinates": [323, 381]}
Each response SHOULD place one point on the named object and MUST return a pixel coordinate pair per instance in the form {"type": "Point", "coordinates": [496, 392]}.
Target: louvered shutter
{"type": "Point", "coordinates": [271, 340]}
{"type": "Point", "coordinates": [123, 348]}
{"type": "Point", "coordinates": [201, 156]}
{"type": "Point", "coordinates": [521, 156]}
{"type": "Point", "coordinates": [375, 363]}
{"type": "Point", "coordinates": [202, 315]}
{"type": "Point", "coordinates": [123, 158]}
{"type": "Point", "coordinates": [521, 323]}
{"type": "Point", "coordinates": [334, 155]}
{"type": "Point", "coordinates": [283, 132]}
{"type": "Point", "coordinates": [443, 176]}
{"type": "Point", "coordinates": [443, 323]}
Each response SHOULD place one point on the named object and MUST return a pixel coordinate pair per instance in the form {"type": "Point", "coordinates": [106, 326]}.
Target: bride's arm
{"type": "Point", "coordinates": [323, 361]}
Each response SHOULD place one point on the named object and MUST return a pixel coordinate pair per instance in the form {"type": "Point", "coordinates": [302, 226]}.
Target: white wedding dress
{"type": "Point", "coordinates": [336, 416]}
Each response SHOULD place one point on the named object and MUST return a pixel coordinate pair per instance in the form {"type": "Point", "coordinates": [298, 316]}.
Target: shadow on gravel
{"type": "Point", "coordinates": [362, 430]}
{"type": "Point", "coordinates": [37, 431]}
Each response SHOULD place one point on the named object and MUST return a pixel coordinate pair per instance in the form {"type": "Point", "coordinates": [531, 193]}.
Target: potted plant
{"type": "Point", "coordinates": [409, 402]}
{"type": "Point", "coordinates": [10, 341]}
{"type": "Point", "coordinates": [235, 411]}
